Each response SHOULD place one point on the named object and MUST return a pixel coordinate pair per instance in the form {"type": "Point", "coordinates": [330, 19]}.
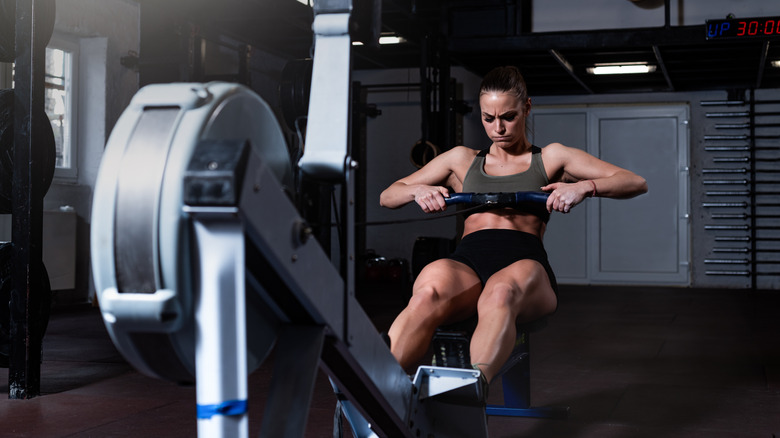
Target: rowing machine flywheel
{"type": "Point", "coordinates": [140, 252]}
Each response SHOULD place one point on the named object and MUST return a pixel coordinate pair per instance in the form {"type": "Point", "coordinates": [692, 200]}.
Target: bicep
{"type": "Point", "coordinates": [577, 165]}
{"type": "Point", "coordinates": [438, 172]}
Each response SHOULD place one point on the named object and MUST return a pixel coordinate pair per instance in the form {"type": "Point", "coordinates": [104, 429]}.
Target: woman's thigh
{"type": "Point", "coordinates": [449, 286]}
{"type": "Point", "coordinates": [524, 287]}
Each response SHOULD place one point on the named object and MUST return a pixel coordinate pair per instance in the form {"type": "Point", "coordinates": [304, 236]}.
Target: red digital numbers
{"type": "Point", "coordinates": [754, 28]}
{"type": "Point", "coordinates": [758, 27]}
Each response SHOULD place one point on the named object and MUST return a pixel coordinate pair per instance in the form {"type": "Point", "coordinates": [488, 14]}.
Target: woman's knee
{"type": "Point", "coordinates": [438, 306]}
{"type": "Point", "coordinates": [500, 295]}
{"type": "Point", "coordinates": [518, 287]}
{"type": "Point", "coordinates": [425, 296]}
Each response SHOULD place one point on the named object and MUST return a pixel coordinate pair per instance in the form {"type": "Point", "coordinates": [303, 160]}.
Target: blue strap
{"type": "Point", "coordinates": [227, 408]}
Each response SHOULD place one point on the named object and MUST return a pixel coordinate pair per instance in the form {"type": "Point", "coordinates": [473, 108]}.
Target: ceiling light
{"type": "Point", "coordinates": [385, 39]}
{"type": "Point", "coordinates": [775, 63]}
{"type": "Point", "coordinates": [391, 39]}
{"type": "Point", "coordinates": [621, 68]}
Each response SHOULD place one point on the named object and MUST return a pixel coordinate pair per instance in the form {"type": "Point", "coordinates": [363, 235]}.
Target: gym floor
{"type": "Point", "coordinates": [630, 362]}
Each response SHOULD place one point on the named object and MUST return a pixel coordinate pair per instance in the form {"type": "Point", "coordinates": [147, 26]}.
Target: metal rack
{"type": "Point", "coordinates": [27, 28]}
{"type": "Point", "coordinates": [741, 188]}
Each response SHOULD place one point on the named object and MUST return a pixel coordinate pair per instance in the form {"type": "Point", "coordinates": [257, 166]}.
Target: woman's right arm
{"type": "Point", "coordinates": [426, 186]}
{"type": "Point", "coordinates": [429, 197]}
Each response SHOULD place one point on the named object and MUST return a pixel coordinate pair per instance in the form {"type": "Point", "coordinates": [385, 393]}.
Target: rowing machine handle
{"type": "Point", "coordinates": [458, 198]}
{"type": "Point", "coordinates": [496, 198]}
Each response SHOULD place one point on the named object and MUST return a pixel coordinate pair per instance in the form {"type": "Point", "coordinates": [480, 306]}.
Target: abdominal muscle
{"type": "Point", "coordinates": [504, 219]}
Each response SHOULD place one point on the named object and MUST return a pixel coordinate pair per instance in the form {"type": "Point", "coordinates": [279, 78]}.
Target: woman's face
{"type": "Point", "coordinates": [503, 116]}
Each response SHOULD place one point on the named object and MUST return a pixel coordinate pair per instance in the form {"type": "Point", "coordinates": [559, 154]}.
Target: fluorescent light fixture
{"type": "Point", "coordinates": [621, 68]}
{"type": "Point", "coordinates": [385, 39]}
{"type": "Point", "coordinates": [775, 63]}
{"type": "Point", "coordinates": [391, 39]}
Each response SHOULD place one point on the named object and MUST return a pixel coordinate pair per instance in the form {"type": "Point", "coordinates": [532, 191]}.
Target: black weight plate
{"type": "Point", "coordinates": [40, 285]}
{"type": "Point", "coordinates": [8, 27]}
{"type": "Point", "coordinates": [6, 253]}
{"type": "Point", "coordinates": [45, 158]}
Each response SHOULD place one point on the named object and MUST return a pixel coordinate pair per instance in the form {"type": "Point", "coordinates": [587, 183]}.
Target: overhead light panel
{"type": "Point", "coordinates": [385, 39]}
{"type": "Point", "coordinates": [621, 68]}
{"type": "Point", "coordinates": [391, 39]}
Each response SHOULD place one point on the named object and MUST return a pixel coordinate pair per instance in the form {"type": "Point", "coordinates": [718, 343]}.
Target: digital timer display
{"type": "Point", "coordinates": [731, 28]}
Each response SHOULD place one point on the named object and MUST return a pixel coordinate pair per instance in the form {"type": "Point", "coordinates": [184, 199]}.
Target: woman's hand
{"type": "Point", "coordinates": [431, 198]}
{"type": "Point", "coordinates": [564, 196]}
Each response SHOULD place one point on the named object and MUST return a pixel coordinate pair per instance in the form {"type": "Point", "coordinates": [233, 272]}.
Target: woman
{"type": "Point", "coordinates": [500, 269]}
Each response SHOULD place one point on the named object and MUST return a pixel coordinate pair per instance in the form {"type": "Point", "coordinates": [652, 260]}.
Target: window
{"type": "Point", "coordinates": [61, 102]}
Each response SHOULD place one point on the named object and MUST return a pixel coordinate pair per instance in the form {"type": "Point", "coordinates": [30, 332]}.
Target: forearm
{"type": "Point", "coordinates": [429, 198]}
{"type": "Point", "coordinates": [397, 195]}
{"type": "Point", "coordinates": [621, 185]}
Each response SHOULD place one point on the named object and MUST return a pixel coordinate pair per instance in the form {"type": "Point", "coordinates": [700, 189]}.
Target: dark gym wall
{"type": "Point", "coordinates": [114, 25]}
{"type": "Point", "coordinates": [391, 135]}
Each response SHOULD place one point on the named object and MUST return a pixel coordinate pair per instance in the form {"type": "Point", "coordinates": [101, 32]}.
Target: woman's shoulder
{"type": "Point", "coordinates": [465, 150]}
{"type": "Point", "coordinates": [459, 154]}
{"type": "Point", "coordinates": [552, 147]}
{"type": "Point", "coordinates": [555, 156]}
{"type": "Point", "coordinates": [555, 151]}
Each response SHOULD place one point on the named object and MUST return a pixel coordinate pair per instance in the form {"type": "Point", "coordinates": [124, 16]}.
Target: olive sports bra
{"type": "Point", "coordinates": [477, 181]}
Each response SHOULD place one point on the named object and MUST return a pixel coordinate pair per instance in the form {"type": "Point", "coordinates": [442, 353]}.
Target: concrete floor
{"type": "Point", "coordinates": [630, 362]}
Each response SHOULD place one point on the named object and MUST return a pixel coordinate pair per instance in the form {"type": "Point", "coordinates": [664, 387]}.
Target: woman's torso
{"type": "Point", "coordinates": [524, 172]}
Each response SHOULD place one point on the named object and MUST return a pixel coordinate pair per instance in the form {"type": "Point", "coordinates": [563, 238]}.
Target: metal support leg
{"type": "Point", "coordinates": [296, 361]}
{"type": "Point", "coordinates": [449, 402]}
{"type": "Point", "coordinates": [516, 383]}
{"type": "Point", "coordinates": [27, 205]}
{"type": "Point", "coordinates": [220, 314]}
{"type": "Point", "coordinates": [361, 428]}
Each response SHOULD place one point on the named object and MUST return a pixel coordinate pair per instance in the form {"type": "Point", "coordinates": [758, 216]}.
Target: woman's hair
{"type": "Point", "coordinates": [505, 80]}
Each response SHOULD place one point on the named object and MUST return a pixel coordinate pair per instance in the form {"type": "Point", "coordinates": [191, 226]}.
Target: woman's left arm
{"type": "Point", "coordinates": [582, 175]}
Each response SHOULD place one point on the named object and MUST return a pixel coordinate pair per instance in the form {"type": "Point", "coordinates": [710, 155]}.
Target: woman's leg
{"type": "Point", "coordinates": [521, 292]}
{"type": "Point", "coordinates": [445, 291]}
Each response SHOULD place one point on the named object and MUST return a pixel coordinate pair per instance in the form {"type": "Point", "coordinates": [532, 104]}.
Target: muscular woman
{"type": "Point", "coordinates": [500, 269]}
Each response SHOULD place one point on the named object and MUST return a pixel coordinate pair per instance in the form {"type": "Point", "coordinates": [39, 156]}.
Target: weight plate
{"type": "Point", "coordinates": [45, 150]}
{"type": "Point", "coordinates": [8, 27]}
{"type": "Point", "coordinates": [40, 285]}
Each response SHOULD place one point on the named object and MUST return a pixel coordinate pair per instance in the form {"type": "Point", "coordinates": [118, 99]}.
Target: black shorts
{"type": "Point", "coordinates": [489, 251]}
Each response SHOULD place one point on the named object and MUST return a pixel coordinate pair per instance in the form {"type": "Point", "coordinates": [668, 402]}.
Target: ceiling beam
{"type": "Point", "coordinates": [569, 69]}
{"type": "Point", "coordinates": [762, 64]}
{"type": "Point", "coordinates": [663, 68]}
{"type": "Point", "coordinates": [594, 39]}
